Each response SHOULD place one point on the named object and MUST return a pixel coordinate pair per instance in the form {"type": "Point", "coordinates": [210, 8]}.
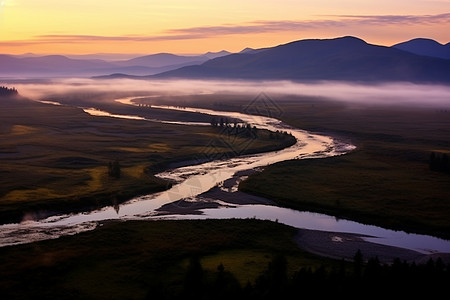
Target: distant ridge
{"type": "Point", "coordinates": [163, 59]}
{"type": "Point", "coordinates": [425, 47]}
{"type": "Point", "coordinates": [252, 51]}
{"type": "Point", "coordinates": [247, 50]}
{"type": "Point", "coordinates": [212, 55]}
{"type": "Point", "coordinates": [59, 65]}
{"type": "Point", "coordinates": [346, 58]}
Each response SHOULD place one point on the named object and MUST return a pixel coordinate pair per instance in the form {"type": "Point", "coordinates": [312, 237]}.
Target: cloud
{"type": "Point", "coordinates": [90, 38]}
{"type": "Point", "coordinates": [254, 27]}
{"type": "Point", "coordinates": [397, 19]}
{"type": "Point", "coordinates": [293, 25]}
{"type": "Point", "coordinates": [78, 39]}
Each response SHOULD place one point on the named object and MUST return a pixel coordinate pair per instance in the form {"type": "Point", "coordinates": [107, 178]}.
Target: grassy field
{"type": "Point", "coordinates": [61, 155]}
{"type": "Point", "coordinates": [360, 187]}
{"type": "Point", "coordinates": [134, 259]}
{"type": "Point", "coordinates": [55, 158]}
{"type": "Point", "coordinates": [386, 181]}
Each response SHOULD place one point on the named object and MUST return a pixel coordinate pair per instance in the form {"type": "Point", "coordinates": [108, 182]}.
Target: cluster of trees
{"type": "Point", "coordinates": [357, 279]}
{"type": "Point", "coordinates": [225, 122]}
{"type": "Point", "coordinates": [8, 92]}
{"type": "Point", "coordinates": [232, 127]}
{"type": "Point", "coordinates": [279, 135]}
{"type": "Point", "coordinates": [114, 169]}
{"type": "Point", "coordinates": [439, 162]}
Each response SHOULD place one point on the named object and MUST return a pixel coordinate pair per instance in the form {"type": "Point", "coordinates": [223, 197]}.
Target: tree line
{"type": "Point", "coordinates": [356, 279]}
{"type": "Point", "coordinates": [439, 162]}
{"type": "Point", "coordinates": [233, 127]}
{"type": "Point", "coordinates": [8, 92]}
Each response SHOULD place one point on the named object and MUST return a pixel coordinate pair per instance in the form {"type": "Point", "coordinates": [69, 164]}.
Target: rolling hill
{"type": "Point", "coordinates": [345, 58]}
{"type": "Point", "coordinates": [47, 65]}
{"type": "Point", "coordinates": [59, 65]}
{"type": "Point", "coordinates": [425, 47]}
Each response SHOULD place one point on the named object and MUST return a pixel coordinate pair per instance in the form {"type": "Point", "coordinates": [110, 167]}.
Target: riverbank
{"type": "Point", "coordinates": [224, 195]}
{"type": "Point", "coordinates": [189, 207]}
{"type": "Point", "coordinates": [59, 164]}
{"type": "Point", "coordinates": [130, 260]}
{"type": "Point", "coordinates": [338, 245]}
{"type": "Point", "coordinates": [335, 245]}
{"type": "Point", "coordinates": [386, 181]}
{"type": "Point", "coordinates": [359, 188]}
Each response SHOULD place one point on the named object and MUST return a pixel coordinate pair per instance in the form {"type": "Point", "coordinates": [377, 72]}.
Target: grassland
{"type": "Point", "coordinates": [133, 260]}
{"type": "Point", "coordinates": [208, 259]}
{"type": "Point", "coordinates": [386, 181]}
{"type": "Point", "coordinates": [55, 158]}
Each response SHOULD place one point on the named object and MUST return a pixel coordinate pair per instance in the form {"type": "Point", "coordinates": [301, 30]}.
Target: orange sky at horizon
{"type": "Point", "coordinates": [198, 26]}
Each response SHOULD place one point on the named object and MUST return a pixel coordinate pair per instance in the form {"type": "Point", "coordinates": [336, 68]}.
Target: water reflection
{"type": "Point", "coordinates": [192, 181]}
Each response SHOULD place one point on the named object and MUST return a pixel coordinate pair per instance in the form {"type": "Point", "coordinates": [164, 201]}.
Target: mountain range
{"type": "Point", "coordinates": [59, 65]}
{"type": "Point", "coordinates": [425, 47]}
{"type": "Point", "coordinates": [344, 58]}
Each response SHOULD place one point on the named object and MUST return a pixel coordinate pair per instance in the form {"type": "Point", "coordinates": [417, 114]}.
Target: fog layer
{"type": "Point", "coordinates": [389, 93]}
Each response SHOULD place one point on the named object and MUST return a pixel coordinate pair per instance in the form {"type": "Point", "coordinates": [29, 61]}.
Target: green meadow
{"type": "Point", "coordinates": [386, 181]}
{"type": "Point", "coordinates": [205, 259]}
{"type": "Point", "coordinates": [131, 260]}
{"type": "Point", "coordinates": [55, 158]}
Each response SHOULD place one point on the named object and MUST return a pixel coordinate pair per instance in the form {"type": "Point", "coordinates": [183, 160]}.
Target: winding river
{"type": "Point", "coordinates": [191, 181]}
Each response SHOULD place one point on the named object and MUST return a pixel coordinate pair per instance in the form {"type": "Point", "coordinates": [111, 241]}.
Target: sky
{"type": "Point", "coordinates": [199, 26]}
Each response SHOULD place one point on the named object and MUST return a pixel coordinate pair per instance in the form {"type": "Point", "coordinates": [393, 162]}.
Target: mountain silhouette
{"type": "Point", "coordinates": [425, 47]}
{"type": "Point", "coordinates": [59, 65]}
{"type": "Point", "coordinates": [345, 58]}
{"type": "Point", "coordinates": [49, 65]}
{"type": "Point", "coordinates": [212, 55]}
{"type": "Point", "coordinates": [163, 59]}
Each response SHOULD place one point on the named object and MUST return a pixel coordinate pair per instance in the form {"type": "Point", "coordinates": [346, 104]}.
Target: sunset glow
{"type": "Point", "coordinates": [195, 26]}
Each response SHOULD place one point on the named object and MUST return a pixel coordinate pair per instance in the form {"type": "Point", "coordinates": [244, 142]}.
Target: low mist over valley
{"type": "Point", "coordinates": [221, 150]}
{"type": "Point", "coordinates": [383, 93]}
